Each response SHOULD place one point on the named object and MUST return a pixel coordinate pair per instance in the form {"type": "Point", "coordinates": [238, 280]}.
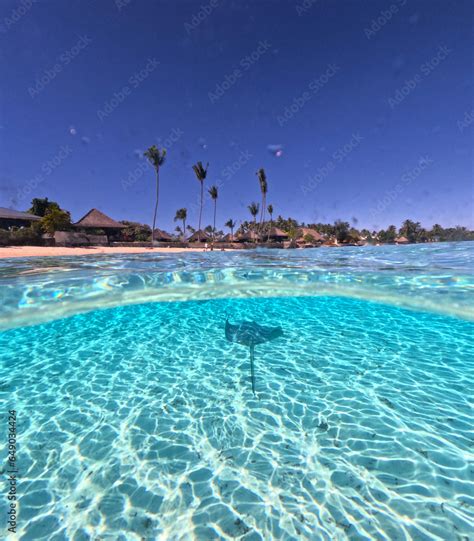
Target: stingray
{"type": "Point", "coordinates": [250, 333]}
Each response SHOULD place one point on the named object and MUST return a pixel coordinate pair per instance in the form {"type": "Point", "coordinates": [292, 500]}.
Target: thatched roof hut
{"type": "Point", "coordinates": [161, 236]}
{"type": "Point", "coordinates": [276, 234]}
{"type": "Point", "coordinates": [307, 231]}
{"type": "Point", "coordinates": [95, 219]}
{"type": "Point", "coordinates": [200, 236]}
{"type": "Point", "coordinates": [230, 238]}
{"type": "Point", "coordinates": [402, 240]}
{"type": "Point", "coordinates": [249, 236]}
{"type": "Point", "coordinates": [16, 218]}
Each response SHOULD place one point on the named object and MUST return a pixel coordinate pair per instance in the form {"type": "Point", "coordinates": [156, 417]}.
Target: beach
{"type": "Point", "coordinates": [55, 251]}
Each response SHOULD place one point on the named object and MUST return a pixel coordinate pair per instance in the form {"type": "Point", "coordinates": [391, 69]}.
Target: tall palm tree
{"type": "Point", "coordinates": [231, 224]}
{"type": "Point", "coordinates": [182, 214]}
{"type": "Point", "coordinates": [253, 209]}
{"type": "Point", "coordinates": [214, 193]}
{"type": "Point", "coordinates": [201, 175]}
{"type": "Point", "coordinates": [262, 179]}
{"type": "Point", "coordinates": [157, 158]}
{"type": "Point", "coordinates": [270, 211]}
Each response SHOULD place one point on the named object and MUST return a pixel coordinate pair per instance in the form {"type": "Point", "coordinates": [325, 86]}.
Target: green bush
{"type": "Point", "coordinates": [25, 236]}
{"type": "Point", "coordinates": [4, 237]}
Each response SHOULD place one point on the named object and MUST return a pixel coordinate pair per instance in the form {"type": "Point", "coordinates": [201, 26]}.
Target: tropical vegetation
{"type": "Point", "coordinates": [181, 215]}
{"type": "Point", "coordinates": [54, 218]}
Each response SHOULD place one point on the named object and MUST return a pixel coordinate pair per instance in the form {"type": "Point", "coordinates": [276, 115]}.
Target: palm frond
{"type": "Point", "coordinates": [213, 192]}
{"type": "Point", "coordinates": [200, 171]}
{"type": "Point", "coordinates": [155, 156]}
{"type": "Point", "coordinates": [253, 209]}
{"type": "Point", "coordinates": [262, 178]}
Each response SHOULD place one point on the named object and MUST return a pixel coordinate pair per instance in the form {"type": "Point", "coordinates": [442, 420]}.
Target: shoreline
{"type": "Point", "coordinates": [57, 251]}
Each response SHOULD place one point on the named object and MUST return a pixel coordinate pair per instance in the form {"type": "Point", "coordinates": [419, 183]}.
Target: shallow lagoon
{"type": "Point", "coordinates": [138, 421]}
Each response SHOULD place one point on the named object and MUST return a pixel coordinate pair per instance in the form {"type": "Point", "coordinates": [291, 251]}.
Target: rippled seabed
{"type": "Point", "coordinates": [138, 421]}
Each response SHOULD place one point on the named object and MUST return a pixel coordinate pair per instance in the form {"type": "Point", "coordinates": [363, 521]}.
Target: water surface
{"type": "Point", "coordinates": [138, 421]}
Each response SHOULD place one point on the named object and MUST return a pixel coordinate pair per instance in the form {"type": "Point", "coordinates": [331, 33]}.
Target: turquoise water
{"type": "Point", "coordinates": [136, 420]}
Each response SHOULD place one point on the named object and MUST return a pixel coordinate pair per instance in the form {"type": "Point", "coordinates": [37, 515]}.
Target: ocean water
{"type": "Point", "coordinates": [136, 418]}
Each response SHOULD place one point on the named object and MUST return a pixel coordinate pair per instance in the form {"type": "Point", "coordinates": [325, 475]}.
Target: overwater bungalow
{"type": "Point", "coordinates": [15, 218]}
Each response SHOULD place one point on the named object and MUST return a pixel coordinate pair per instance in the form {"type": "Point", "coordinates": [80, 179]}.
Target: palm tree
{"type": "Point", "coordinates": [270, 211]}
{"type": "Point", "coordinates": [411, 230]}
{"type": "Point", "coordinates": [262, 179]}
{"type": "Point", "coordinates": [253, 209]}
{"type": "Point", "coordinates": [201, 175]}
{"type": "Point", "coordinates": [157, 158]}
{"type": "Point", "coordinates": [182, 214]}
{"type": "Point", "coordinates": [214, 193]}
{"type": "Point", "coordinates": [231, 224]}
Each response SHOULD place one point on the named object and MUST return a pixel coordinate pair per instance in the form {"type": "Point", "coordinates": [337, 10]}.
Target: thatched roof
{"type": "Point", "coordinates": [159, 234]}
{"type": "Point", "coordinates": [229, 238]}
{"type": "Point", "coordinates": [249, 236]}
{"type": "Point", "coordinates": [401, 240]}
{"type": "Point", "coordinates": [203, 236]}
{"type": "Point", "coordinates": [95, 219]}
{"type": "Point", "coordinates": [302, 231]}
{"type": "Point", "coordinates": [276, 232]}
{"type": "Point", "coordinates": [10, 214]}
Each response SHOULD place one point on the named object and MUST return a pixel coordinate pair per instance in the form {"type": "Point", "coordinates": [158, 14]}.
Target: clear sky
{"type": "Point", "coordinates": [371, 102]}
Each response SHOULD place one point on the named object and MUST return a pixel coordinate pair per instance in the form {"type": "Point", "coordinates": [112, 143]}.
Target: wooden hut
{"type": "Point", "coordinates": [161, 236]}
{"type": "Point", "coordinates": [230, 238]}
{"type": "Point", "coordinates": [200, 236]}
{"type": "Point", "coordinates": [275, 235]}
{"type": "Point", "coordinates": [307, 232]}
{"type": "Point", "coordinates": [248, 236]}
{"type": "Point", "coordinates": [96, 220]}
{"type": "Point", "coordinates": [15, 218]}
{"type": "Point", "coordinates": [401, 240]}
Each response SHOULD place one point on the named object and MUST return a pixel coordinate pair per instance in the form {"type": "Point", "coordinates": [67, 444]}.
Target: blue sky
{"type": "Point", "coordinates": [371, 102]}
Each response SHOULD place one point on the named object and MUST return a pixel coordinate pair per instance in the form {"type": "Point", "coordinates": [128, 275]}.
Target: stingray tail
{"type": "Point", "coordinates": [252, 369]}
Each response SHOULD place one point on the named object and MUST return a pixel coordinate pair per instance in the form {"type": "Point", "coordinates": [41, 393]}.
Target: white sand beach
{"type": "Point", "coordinates": [45, 251]}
